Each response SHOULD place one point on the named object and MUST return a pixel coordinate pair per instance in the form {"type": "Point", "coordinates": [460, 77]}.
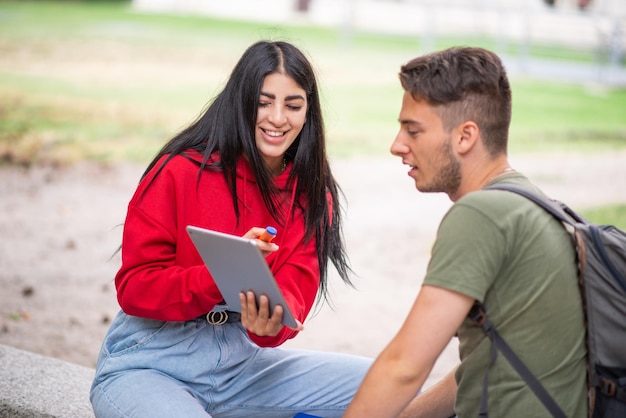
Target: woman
{"type": "Point", "coordinates": [255, 157]}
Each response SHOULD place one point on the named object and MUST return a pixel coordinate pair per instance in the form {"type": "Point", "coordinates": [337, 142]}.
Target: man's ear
{"type": "Point", "coordinates": [467, 135]}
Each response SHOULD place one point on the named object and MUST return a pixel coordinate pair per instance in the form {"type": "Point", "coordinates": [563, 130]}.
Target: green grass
{"type": "Point", "coordinates": [559, 116]}
{"type": "Point", "coordinates": [97, 80]}
{"type": "Point", "coordinates": [607, 215]}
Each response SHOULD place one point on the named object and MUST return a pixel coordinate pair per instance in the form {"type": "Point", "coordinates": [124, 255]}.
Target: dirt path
{"type": "Point", "coordinates": [60, 229]}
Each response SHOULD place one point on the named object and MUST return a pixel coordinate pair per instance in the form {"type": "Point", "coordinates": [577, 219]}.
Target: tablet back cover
{"type": "Point", "coordinates": [237, 265]}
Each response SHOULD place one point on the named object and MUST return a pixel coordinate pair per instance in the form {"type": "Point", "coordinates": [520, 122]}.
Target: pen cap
{"type": "Point", "coordinates": [268, 234]}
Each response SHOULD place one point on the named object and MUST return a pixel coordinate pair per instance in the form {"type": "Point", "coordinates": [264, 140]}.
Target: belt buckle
{"type": "Point", "coordinates": [217, 317]}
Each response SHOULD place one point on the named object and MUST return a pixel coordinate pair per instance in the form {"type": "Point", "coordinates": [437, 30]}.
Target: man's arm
{"type": "Point", "coordinates": [436, 402]}
{"type": "Point", "coordinates": [401, 369]}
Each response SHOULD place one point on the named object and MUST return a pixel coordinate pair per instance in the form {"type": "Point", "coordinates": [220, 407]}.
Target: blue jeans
{"type": "Point", "coordinates": [193, 369]}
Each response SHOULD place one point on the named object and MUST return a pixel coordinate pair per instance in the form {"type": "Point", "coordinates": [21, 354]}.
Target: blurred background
{"type": "Point", "coordinates": [90, 90]}
{"type": "Point", "coordinates": [113, 79]}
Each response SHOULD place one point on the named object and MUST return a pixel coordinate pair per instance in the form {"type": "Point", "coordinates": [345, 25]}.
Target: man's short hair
{"type": "Point", "coordinates": [464, 83]}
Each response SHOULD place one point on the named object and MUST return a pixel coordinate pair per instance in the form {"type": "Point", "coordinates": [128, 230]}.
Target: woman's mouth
{"type": "Point", "coordinates": [273, 134]}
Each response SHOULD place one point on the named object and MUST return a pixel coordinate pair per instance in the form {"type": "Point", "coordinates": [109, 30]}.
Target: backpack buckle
{"type": "Point", "coordinates": [607, 387]}
{"type": "Point", "coordinates": [477, 313]}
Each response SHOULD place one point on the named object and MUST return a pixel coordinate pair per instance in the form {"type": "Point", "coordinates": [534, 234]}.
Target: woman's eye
{"type": "Point", "coordinates": [294, 107]}
{"type": "Point", "coordinates": [264, 104]}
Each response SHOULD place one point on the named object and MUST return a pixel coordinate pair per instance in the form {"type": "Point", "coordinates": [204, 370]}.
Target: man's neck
{"type": "Point", "coordinates": [481, 175]}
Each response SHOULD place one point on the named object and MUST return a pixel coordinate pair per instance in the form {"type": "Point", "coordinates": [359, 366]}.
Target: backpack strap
{"type": "Point", "coordinates": [603, 254]}
{"type": "Point", "coordinates": [565, 214]}
{"type": "Point", "coordinates": [478, 314]}
{"type": "Point", "coordinates": [554, 207]}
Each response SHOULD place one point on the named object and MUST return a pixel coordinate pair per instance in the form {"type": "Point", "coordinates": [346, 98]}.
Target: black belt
{"type": "Point", "coordinates": [222, 317]}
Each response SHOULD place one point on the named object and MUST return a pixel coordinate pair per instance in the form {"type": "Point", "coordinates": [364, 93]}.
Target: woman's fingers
{"type": "Point", "coordinates": [257, 319]}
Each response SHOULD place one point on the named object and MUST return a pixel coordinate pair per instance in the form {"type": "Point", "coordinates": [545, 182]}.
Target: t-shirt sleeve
{"type": "Point", "coordinates": [467, 253]}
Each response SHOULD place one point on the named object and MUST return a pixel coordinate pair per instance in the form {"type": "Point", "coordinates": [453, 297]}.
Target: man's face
{"type": "Point", "coordinates": [425, 146]}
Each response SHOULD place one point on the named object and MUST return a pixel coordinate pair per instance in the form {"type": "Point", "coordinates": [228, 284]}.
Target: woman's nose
{"type": "Point", "coordinates": [277, 116]}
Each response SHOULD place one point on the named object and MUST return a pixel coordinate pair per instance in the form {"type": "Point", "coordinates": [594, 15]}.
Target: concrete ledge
{"type": "Point", "coordinates": [33, 386]}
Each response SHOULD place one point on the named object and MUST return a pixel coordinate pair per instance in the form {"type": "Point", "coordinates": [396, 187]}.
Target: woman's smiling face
{"type": "Point", "coordinates": [280, 118]}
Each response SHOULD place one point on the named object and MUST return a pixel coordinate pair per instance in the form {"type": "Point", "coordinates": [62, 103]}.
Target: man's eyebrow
{"type": "Point", "coordinates": [408, 121]}
{"type": "Point", "coordinates": [292, 97]}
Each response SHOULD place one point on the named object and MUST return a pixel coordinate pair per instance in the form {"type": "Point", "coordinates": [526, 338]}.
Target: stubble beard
{"type": "Point", "coordinates": [448, 179]}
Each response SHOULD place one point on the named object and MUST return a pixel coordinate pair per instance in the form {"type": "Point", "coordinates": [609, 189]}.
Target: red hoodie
{"type": "Point", "coordinates": [162, 276]}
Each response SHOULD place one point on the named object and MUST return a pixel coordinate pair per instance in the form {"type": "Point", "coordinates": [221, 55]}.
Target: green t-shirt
{"type": "Point", "coordinates": [503, 250]}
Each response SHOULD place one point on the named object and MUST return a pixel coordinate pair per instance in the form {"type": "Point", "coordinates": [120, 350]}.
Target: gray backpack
{"type": "Point", "coordinates": [601, 253]}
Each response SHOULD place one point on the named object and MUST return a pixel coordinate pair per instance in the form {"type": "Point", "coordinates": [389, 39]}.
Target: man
{"type": "Point", "coordinates": [492, 246]}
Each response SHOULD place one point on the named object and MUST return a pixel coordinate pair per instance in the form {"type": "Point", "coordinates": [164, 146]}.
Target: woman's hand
{"type": "Point", "coordinates": [266, 247]}
{"type": "Point", "coordinates": [257, 319]}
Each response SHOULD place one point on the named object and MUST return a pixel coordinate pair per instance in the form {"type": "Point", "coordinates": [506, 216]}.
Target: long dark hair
{"type": "Point", "coordinates": [228, 125]}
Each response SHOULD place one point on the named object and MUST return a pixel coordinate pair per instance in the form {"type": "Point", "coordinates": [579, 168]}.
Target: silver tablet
{"type": "Point", "coordinates": [237, 265]}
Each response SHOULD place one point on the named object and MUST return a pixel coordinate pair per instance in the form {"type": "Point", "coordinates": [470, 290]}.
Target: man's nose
{"type": "Point", "coordinates": [397, 146]}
